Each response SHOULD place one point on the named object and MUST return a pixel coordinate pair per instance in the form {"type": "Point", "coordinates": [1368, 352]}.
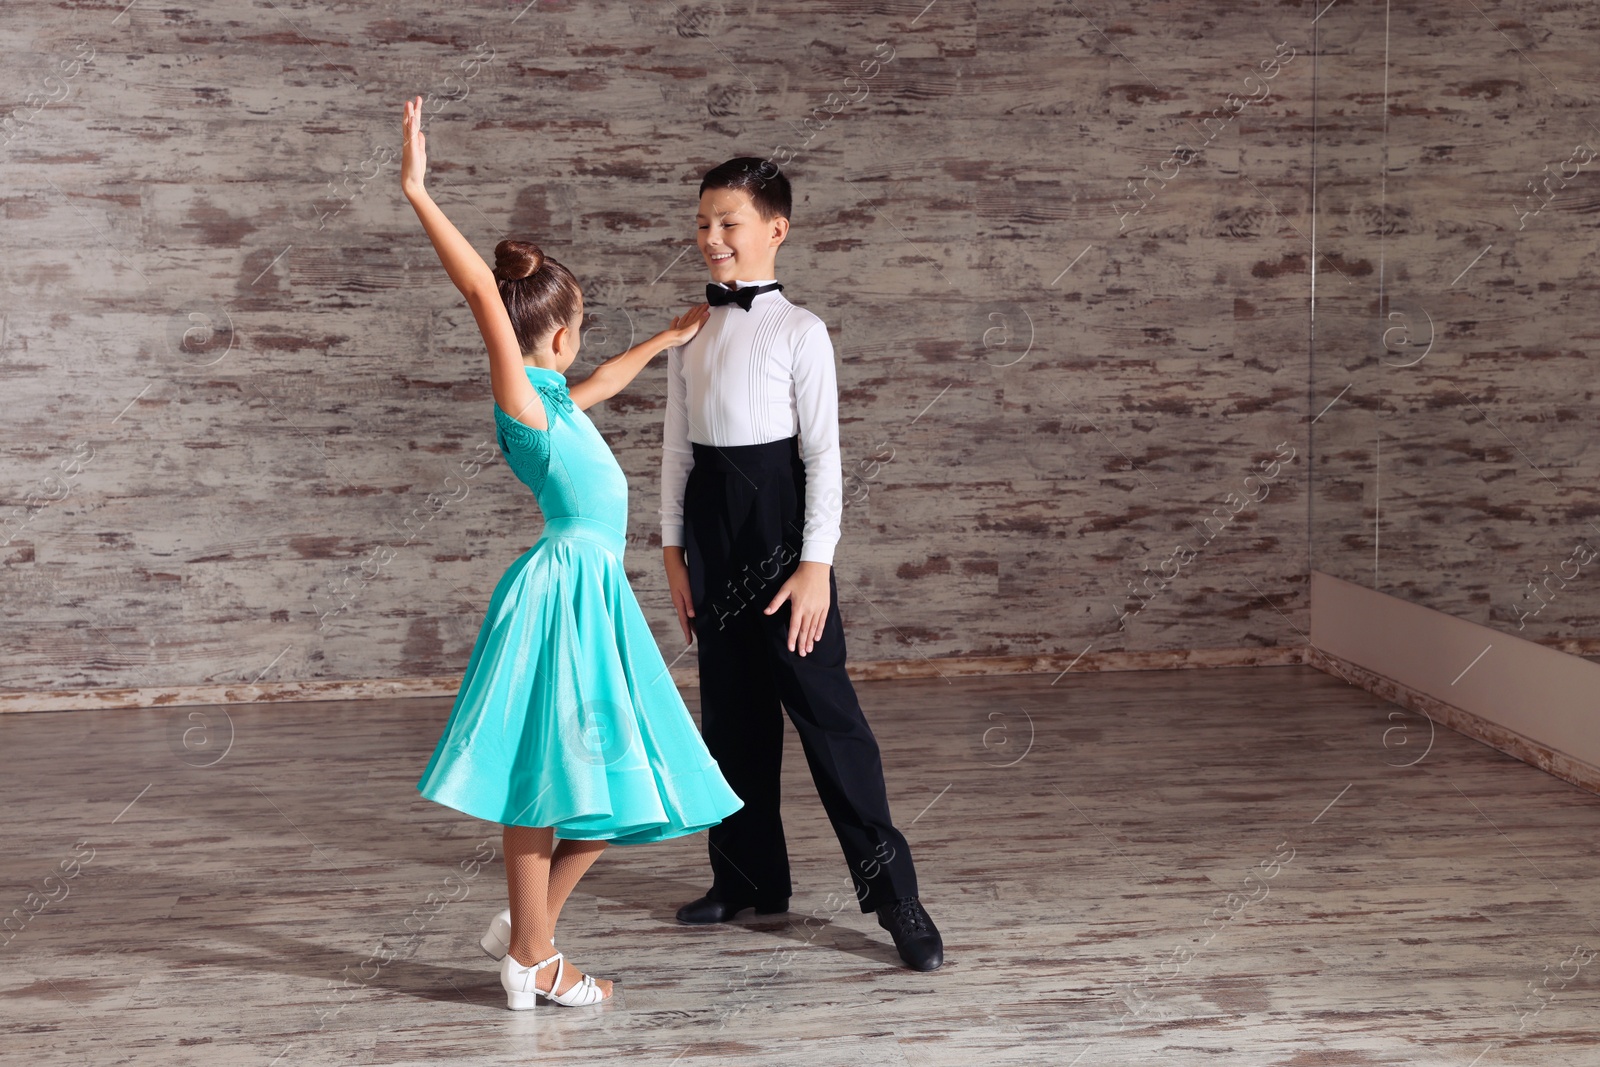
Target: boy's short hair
{"type": "Point", "coordinates": [760, 178]}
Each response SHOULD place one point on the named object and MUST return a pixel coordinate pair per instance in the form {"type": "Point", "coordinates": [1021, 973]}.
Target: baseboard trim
{"type": "Point", "coordinates": [1526, 699]}
{"type": "Point", "coordinates": [685, 677]}
{"type": "Point", "coordinates": [1464, 722]}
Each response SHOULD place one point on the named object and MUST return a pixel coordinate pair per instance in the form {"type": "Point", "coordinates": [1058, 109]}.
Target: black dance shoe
{"type": "Point", "coordinates": [914, 934]}
{"type": "Point", "coordinates": [708, 909]}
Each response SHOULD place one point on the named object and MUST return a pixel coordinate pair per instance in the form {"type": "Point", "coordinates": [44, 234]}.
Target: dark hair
{"type": "Point", "coordinates": [761, 178]}
{"type": "Point", "coordinates": [539, 293]}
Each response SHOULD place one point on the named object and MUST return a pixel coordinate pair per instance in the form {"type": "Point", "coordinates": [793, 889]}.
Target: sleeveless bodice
{"type": "Point", "coordinates": [576, 480]}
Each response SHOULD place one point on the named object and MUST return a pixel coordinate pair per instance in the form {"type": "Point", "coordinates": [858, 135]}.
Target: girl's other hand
{"type": "Point", "coordinates": [414, 158]}
{"type": "Point", "coordinates": [685, 326]}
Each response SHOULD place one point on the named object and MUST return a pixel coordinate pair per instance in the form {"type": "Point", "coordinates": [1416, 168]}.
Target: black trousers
{"type": "Point", "coordinates": [744, 513]}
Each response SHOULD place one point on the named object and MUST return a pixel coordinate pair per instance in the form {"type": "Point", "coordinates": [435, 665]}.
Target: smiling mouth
{"type": "Point", "coordinates": [721, 257]}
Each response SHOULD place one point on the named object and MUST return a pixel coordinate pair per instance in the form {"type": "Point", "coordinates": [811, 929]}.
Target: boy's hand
{"type": "Point", "coordinates": [414, 156]}
{"type": "Point", "coordinates": [678, 584]}
{"type": "Point", "coordinates": [809, 599]}
{"type": "Point", "coordinates": [685, 326]}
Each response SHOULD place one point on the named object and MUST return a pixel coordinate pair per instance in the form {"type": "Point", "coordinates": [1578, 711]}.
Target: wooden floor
{"type": "Point", "coordinates": [213, 887]}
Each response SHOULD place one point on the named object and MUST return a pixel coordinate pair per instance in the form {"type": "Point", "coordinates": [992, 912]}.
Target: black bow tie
{"type": "Point", "coordinates": [717, 295]}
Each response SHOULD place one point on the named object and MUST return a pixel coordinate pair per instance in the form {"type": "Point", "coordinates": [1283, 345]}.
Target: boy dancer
{"type": "Point", "coordinates": [750, 507]}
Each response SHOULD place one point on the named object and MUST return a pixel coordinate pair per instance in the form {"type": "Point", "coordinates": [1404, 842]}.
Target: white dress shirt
{"type": "Point", "coordinates": [747, 378]}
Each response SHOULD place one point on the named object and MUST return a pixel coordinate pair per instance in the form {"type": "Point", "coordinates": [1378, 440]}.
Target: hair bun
{"type": "Point", "coordinates": [514, 260]}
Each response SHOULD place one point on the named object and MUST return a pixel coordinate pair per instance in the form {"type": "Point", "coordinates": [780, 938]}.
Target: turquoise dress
{"type": "Point", "coordinates": [567, 716]}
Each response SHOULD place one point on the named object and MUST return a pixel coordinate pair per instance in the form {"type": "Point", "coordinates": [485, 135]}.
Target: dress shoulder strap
{"type": "Point", "coordinates": [526, 449]}
{"type": "Point", "coordinates": [519, 433]}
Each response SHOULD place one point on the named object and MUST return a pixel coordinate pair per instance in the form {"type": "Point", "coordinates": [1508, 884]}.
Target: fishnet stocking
{"type": "Point", "coordinates": [540, 874]}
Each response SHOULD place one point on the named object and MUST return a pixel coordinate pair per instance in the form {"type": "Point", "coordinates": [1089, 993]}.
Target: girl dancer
{"type": "Point", "coordinates": [567, 728]}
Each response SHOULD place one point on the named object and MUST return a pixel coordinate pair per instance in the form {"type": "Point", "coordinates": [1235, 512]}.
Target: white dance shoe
{"type": "Point", "coordinates": [521, 993]}
{"type": "Point", "coordinates": [497, 941]}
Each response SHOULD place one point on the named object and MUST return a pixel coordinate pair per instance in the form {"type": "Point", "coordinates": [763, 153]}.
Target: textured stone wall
{"type": "Point", "coordinates": [1454, 357]}
{"type": "Point", "coordinates": [247, 430]}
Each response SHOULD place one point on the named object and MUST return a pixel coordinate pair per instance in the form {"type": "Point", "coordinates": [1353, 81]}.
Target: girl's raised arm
{"type": "Point", "coordinates": [473, 277]}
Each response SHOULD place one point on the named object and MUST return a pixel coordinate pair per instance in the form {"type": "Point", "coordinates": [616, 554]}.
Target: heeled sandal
{"type": "Point", "coordinates": [496, 941]}
{"type": "Point", "coordinates": [522, 992]}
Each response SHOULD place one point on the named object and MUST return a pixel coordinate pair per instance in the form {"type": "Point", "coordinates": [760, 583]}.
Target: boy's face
{"type": "Point", "coordinates": [735, 241]}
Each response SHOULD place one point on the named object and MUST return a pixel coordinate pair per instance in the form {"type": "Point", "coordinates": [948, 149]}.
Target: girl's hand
{"type": "Point", "coordinates": [685, 326]}
{"type": "Point", "coordinates": [612, 376]}
{"type": "Point", "coordinates": [414, 158]}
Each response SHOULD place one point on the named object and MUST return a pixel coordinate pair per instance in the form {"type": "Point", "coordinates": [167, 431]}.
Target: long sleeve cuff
{"type": "Point", "coordinates": [817, 552]}
{"type": "Point", "coordinates": [671, 535]}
